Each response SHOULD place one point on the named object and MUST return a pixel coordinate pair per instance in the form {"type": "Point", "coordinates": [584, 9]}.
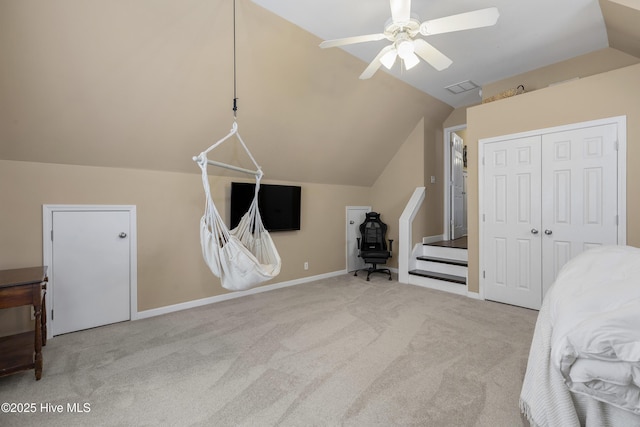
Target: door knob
{"type": "Point", "coordinates": [548, 232]}
{"type": "Point", "coordinates": [351, 222]}
{"type": "Point", "coordinates": [534, 231]}
{"type": "Point", "coordinates": [122, 235]}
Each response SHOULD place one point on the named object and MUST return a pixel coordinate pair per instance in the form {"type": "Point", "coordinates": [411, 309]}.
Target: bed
{"type": "Point", "coordinates": [584, 362]}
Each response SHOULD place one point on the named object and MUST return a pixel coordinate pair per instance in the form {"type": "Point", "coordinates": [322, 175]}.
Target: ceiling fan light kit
{"type": "Point", "coordinates": [405, 47]}
{"type": "Point", "coordinates": [403, 29]}
{"type": "Point", "coordinates": [410, 61]}
{"type": "Point", "coordinates": [389, 58]}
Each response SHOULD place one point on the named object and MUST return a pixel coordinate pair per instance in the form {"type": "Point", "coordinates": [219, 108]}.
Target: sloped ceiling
{"type": "Point", "coordinates": [622, 18]}
{"type": "Point", "coordinates": [529, 34]}
{"type": "Point", "coordinates": [149, 84]}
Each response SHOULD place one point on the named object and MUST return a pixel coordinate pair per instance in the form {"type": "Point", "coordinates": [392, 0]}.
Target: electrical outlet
{"type": "Point", "coordinates": [306, 265]}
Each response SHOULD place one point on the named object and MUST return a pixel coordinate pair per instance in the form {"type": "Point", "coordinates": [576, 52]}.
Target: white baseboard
{"type": "Point", "coordinates": [438, 285]}
{"type": "Point", "coordinates": [474, 295]}
{"type": "Point", "coordinates": [433, 239]}
{"type": "Point", "coordinates": [231, 295]}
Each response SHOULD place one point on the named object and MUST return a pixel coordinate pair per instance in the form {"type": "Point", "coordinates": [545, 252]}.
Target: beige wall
{"type": "Point", "coordinates": [147, 84]}
{"type": "Point", "coordinates": [393, 188]}
{"type": "Point", "coordinates": [433, 204]}
{"type": "Point", "coordinates": [169, 207]}
{"type": "Point", "coordinates": [621, 18]}
{"type": "Point", "coordinates": [579, 67]}
{"type": "Point", "coordinates": [416, 161]}
{"type": "Point", "coordinates": [456, 118]}
{"type": "Point", "coordinates": [612, 93]}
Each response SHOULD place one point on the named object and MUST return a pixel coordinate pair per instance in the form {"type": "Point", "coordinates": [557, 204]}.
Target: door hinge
{"type": "Point", "coordinates": [482, 160]}
{"type": "Point", "coordinates": [617, 146]}
{"type": "Point", "coordinates": [484, 274]}
{"type": "Point", "coordinates": [483, 218]}
{"type": "Point", "coordinates": [617, 220]}
{"type": "Point", "coordinates": [52, 314]}
{"type": "Point", "coordinates": [52, 235]}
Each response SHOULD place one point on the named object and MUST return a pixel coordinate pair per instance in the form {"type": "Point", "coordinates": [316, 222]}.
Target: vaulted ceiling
{"type": "Point", "coordinates": [149, 84]}
{"type": "Point", "coordinates": [528, 35]}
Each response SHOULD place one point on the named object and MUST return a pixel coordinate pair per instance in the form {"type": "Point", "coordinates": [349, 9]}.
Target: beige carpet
{"type": "Point", "coordinates": [336, 352]}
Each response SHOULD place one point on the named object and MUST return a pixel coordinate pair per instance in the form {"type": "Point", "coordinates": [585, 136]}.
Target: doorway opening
{"type": "Point", "coordinates": [354, 217]}
{"type": "Point", "coordinates": [455, 191]}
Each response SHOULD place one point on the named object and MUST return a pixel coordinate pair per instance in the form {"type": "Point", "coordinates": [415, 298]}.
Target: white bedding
{"type": "Point", "coordinates": [595, 315]}
{"type": "Point", "coordinates": [569, 364]}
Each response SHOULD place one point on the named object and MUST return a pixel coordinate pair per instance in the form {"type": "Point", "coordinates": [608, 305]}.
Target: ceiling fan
{"type": "Point", "coordinates": [402, 31]}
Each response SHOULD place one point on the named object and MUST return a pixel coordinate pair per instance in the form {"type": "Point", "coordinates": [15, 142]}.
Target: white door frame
{"type": "Point", "coordinates": [620, 121]}
{"type": "Point", "coordinates": [457, 171]}
{"type": "Point", "coordinates": [47, 250]}
{"type": "Point", "coordinates": [446, 182]}
{"type": "Point", "coordinates": [465, 223]}
{"type": "Point", "coordinates": [346, 231]}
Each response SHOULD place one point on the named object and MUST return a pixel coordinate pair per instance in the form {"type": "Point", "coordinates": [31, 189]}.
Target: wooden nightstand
{"type": "Point", "coordinates": [18, 287]}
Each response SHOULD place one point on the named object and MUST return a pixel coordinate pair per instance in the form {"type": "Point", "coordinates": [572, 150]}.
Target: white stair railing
{"type": "Point", "coordinates": [404, 236]}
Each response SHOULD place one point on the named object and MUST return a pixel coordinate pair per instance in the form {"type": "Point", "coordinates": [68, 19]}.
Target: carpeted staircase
{"type": "Point", "coordinates": [442, 266]}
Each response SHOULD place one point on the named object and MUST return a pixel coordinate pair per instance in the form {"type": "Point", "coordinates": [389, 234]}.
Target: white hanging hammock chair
{"type": "Point", "coordinates": [243, 257]}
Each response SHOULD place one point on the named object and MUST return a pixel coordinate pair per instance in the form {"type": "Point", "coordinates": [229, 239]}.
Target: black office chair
{"type": "Point", "coordinates": [372, 246]}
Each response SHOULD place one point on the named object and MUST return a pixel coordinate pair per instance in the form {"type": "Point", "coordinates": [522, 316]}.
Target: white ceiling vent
{"type": "Point", "coordinates": [464, 86]}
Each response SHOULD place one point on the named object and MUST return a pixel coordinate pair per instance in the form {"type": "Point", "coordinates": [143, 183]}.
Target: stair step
{"type": "Point", "coordinates": [440, 276]}
{"type": "Point", "coordinates": [443, 260]}
{"type": "Point", "coordinates": [441, 252]}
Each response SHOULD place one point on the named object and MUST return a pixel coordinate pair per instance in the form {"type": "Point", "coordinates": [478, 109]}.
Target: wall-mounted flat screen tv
{"type": "Point", "coordinates": [279, 205]}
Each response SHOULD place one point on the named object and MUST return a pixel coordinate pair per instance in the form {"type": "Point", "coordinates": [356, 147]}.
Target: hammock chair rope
{"type": "Point", "coordinates": [246, 256]}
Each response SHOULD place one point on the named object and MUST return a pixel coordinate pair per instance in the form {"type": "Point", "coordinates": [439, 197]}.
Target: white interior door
{"type": "Point", "coordinates": [579, 178]}
{"type": "Point", "coordinates": [464, 202]}
{"type": "Point", "coordinates": [355, 216]}
{"type": "Point", "coordinates": [546, 198]}
{"type": "Point", "coordinates": [90, 269]}
{"type": "Point", "coordinates": [457, 203]}
{"type": "Point", "coordinates": [512, 221]}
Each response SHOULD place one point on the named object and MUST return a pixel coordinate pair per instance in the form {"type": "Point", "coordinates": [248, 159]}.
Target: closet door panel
{"type": "Point", "coordinates": [563, 185]}
{"type": "Point", "coordinates": [512, 222]}
{"type": "Point", "coordinates": [579, 197]}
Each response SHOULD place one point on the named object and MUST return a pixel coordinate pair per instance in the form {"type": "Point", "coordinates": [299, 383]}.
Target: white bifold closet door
{"type": "Point", "coordinates": [547, 198]}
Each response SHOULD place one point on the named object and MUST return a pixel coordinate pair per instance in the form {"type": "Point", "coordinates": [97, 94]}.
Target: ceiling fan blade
{"type": "Point", "coordinates": [375, 64]}
{"type": "Point", "coordinates": [432, 55]}
{"type": "Point", "coordinates": [400, 11]}
{"type": "Point", "coordinates": [463, 21]}
{"type": "Point", "coordinates": [351, 40]}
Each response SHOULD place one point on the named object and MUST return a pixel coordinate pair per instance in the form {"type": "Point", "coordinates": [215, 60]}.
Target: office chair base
{"type": "Point", "coordinates": [373, 269]}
